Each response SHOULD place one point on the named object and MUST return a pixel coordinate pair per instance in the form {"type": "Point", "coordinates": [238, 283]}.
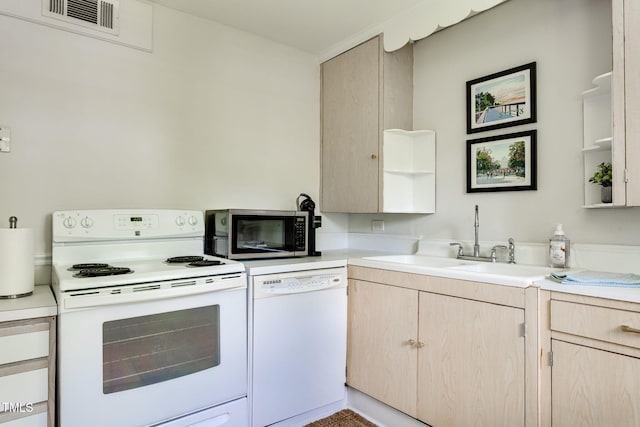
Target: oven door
{"type": "Point", "coordinates": [145, 362]}
{"type": "Point", "coordinates": [268, 235]}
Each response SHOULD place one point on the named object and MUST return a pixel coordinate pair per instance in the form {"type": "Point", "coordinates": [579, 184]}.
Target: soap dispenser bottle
{"type": "Point", "coordinates": [559, 249]}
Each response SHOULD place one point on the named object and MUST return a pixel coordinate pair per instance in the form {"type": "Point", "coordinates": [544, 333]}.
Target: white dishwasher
{"type": "Point", "coordinates": [299, 342]}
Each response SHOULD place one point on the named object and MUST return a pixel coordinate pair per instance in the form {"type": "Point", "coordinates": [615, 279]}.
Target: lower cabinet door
{"type": "Point", "coordinates": [381, 362]}
{"type": "Point", "coordinates": [471, 365]}
{"type": "Point", "coordinates": [592, 387]}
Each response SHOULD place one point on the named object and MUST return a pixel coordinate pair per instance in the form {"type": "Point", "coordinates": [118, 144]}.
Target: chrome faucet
{"type": "Point", "coordinates": [512, 251]}
{"type": "Point", "coordinates": [511, 247]}
{"type": "Point", "coordinates": [476, 226]}
{"type": "Point", "coordinates": [476, 245]}
{"type": "Point", "coordinates": [460, 252]}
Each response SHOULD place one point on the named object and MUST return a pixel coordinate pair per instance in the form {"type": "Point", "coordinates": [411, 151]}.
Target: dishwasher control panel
{"type": "Point", "coordinates": [308, 281]}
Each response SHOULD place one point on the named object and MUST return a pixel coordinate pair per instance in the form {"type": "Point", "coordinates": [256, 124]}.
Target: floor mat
{"type": "Point", "coordinates": [344, 418]}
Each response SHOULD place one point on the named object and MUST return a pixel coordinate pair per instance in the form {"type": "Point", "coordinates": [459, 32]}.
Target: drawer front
{"type": "Point", "coordinates": [24, 346]}
{"type": "Point", "coordinates": [599, 323]}
{"type": "Point", "coordinates": [36, 420]}
{"type": "Point", "coordinates": [25, 387]}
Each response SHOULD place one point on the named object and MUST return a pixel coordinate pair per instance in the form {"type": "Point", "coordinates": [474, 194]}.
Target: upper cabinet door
{"type": "Point", "coordinates": [365, 91]}
{"type": "Point", "coordinates": [632, 98]}
{"type": "Point", "coordinates": [351, 129]}
{"type": "Point", "coordinates": [612, 114]}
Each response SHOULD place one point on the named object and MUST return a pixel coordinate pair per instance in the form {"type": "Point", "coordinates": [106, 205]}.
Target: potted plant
{"type": "Point", "coordinates": [602, 176]}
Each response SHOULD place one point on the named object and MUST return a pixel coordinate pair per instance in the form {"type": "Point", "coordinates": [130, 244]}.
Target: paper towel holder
{"type": "Point", "coordinates": [12, 293]}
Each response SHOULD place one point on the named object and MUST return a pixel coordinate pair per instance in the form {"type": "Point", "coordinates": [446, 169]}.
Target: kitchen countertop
{"type": "Point", "coordinates": [338, 258]}
{"type": "Point", "coordinates": [39, 304]}
{"type": "Point", "coordinates": [42, 303]}
{"type": "Point", "coordinates": [608, 292]}
{"type": "Point", "coordinates": [450, 273]}
{"type": "Point", "coordinates": [328, 259]}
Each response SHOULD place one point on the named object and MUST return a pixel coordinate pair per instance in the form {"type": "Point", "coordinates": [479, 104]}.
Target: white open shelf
{"type": "Point", "coordinates": [598, 136]}
{"type": "Point", "coordinates": [409, 173]}
{"type": "Point", "coordinates": [603, 144]}
{"type": "Point", "coordinates": [597, 112]}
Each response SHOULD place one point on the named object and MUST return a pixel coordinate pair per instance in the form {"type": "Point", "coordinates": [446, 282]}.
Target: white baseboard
{"type": "Point", "coordinates": [313, 415]}
{"type": "Point", "coordinates": [371, 409]}
{"type": "Point", "coordinates": [379, 413]}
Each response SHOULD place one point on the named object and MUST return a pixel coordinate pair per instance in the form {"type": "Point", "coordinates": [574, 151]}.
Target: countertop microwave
{"type": "Point", "coordinates": [255, 234]}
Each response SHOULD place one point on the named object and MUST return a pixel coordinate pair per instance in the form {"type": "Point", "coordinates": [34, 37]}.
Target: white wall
{"type": "Point", "coordinates": [571, 42]}
{"type": "Point", "coordinates": [213, 118]}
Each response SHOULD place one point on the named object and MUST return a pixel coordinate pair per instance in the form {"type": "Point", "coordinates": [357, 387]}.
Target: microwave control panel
{"type": "Point", "coordinates": [300, 233]}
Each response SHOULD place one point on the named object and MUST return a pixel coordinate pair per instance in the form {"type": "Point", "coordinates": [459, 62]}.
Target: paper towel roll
{"type": "Point", "coordinates": [16, 262]}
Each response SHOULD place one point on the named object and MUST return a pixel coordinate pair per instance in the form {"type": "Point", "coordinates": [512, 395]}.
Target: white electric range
{"type": "Point", "coordinates": [150, 330]}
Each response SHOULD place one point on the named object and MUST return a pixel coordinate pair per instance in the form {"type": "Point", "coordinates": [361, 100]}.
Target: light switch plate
{"type": "Point", "coordinates": [5, 139]}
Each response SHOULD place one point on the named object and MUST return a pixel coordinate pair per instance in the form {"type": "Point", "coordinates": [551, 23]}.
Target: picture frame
{"type": "Point", "coordinates": [502, 163]}
{"type": "Point", "coordinates": [503, 99]}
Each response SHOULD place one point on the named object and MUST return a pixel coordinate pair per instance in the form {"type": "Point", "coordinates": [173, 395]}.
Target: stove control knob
{"type": "Point", "coordinates": [180, 221]}
{"type": "Point", "coordinates": [86, 222]}
{"type": "Point", "coordinates": [193, 220]}
{"type": "Point", "coordinates": [69, 222]}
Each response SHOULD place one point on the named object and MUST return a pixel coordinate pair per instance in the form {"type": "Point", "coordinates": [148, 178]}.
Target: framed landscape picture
{"type": "Point", "coordinates": [502, 163]}
{"type": "Point", "coordinates": [503, 99]}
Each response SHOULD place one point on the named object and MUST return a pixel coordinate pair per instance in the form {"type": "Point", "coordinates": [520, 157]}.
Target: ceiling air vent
{"type": "Point", "coordinates": [99, 15]}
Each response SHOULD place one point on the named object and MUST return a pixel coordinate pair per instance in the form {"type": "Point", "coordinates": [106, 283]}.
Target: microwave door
{"type": "Point", "coordinates": [261, 235]}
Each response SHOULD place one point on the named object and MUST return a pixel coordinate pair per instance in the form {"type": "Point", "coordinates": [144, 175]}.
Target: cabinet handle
{"type": "Point", "coordinates": [411, 342]}
{"type": "Point", "coordinates": [373, 156]}
{"type": "Point", "coordinates": [419, 344]}
{"type": "Point", "coordinates": [626, 328]}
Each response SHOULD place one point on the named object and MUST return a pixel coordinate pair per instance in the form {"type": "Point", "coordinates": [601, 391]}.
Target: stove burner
{"type": "Point", "coordinates": [205, 263]}
{"type": "Point", "coordinates": [178, 259]}
{"type": "Point", "coordinates": [89, 265]}
{"type": "Point", "coordinates": [102, 271]}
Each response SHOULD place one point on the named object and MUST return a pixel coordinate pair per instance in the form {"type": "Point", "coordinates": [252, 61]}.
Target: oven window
{"type": "Point", "coordinates": [149, 349]}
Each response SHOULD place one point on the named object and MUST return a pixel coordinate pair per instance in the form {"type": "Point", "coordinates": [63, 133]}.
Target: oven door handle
{"type": "Point", "coordinates": [150, 291]}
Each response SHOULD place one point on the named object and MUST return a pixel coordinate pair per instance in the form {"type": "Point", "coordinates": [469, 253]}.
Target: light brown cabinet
{"type": "Point", "coordinates": [363, 91]}
{"type": "Point", "coordinates": [626, 102]}
{"type": "Point", "coordinates": [612, 114]}
{"type": "Point", "coordinates": [594, 363]}
{"type": "Point", "coordinates": [447, 352]}
{"type": "Point", "coordinates": [381, 362]}
{"type": "Point", "coordinates": [27, 372]}
{"type": "Point", "coordinates": [592, 387]}
{"type": "Point", "coordinates": [471, 367]}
